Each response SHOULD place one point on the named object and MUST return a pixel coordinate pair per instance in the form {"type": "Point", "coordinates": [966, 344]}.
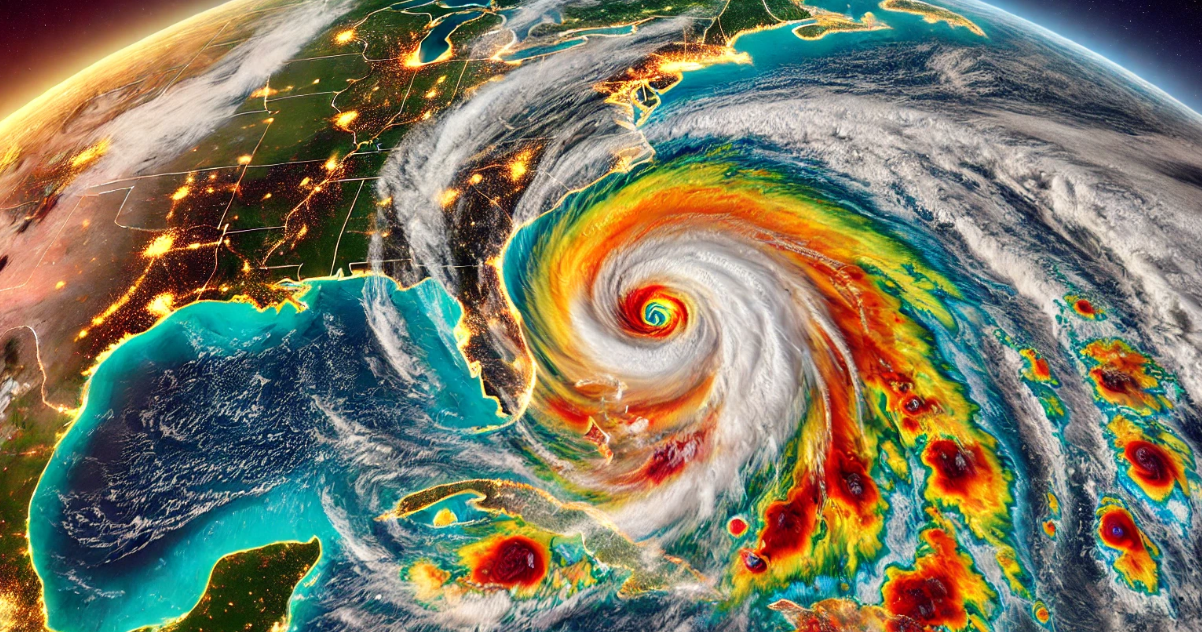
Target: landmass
{"type": "Point", "coordinates": [649, 569]}
{"type": "Point", "coordinates": [282, 191]}
{"type": "Point", "coordinates": [29, 429]}
{"type": "Point", "coordinates": [249, 591]}
{"type": "Point", "coordinates": [747, 16]}
{"type": "Point", "coordinates": [932, 14]}
{"type": "Point", "coordinates": [826, 23]}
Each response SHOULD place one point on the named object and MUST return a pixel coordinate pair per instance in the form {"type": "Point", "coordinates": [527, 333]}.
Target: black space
{"type": "Point", "coordinates": [1159, 41]}
{"type": "Point", "coordinates": [43, 42]}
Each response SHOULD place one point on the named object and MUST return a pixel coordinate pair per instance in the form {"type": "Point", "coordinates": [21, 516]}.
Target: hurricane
{"type": "Point", "coordinates": [626, 316]}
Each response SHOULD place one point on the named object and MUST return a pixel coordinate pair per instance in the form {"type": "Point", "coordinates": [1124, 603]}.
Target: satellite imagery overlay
{"type": "Point", "coordinates": [867, 315]}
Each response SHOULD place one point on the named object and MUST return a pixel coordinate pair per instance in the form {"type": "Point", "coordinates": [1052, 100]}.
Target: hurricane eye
{"type": "Point", "coordinates": [657, 313]}
{"type": "Point", "coordinates": [653, 311]}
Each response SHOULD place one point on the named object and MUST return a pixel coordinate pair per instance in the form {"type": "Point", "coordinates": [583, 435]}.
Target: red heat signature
{"type": "Point", "coordinates": [634, 304]}
{"type": "Point", "coordinates": [514, 561]}
{"type": "Point", "coordinates": [956, 468]}
{"type": "Point", "coordinates": [1151, 466]}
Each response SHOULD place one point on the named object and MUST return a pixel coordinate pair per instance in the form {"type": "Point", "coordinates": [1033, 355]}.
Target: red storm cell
{"type": "Point", "coordinates": [1123, 376]}
{"type": "Point", "coordinates": [1042, 614]}
{"type": "Point", "coordinates": [955, 467]}
{"type": "Point", "coordinates": [1118, 531]}
{"type": "Point", "coordinates": [670, 458]}
{"type": "Point", "coordinates": [931, 599]}
{"type": "Point", "coordinates": [788, 525]}
{"type": "Point", "coordinates": [1136, 561]}
{"type": "Point", "coordinates": [737, 526]}
{"type": "Point", "coordinates": [1037, 367]}
{"type": "Point", "coordinates": [753, 562]}
{"type": "Point", "coordinates": [653, 311]}
{"type": "Point", "coordinates": [848, 480]}
{"type": "Point", "coordinates": [514, 561]}
{"type": "Point", "coordinates": [1084, 307]}
{"type": "Point", "coordinates": [913, 408]}
{"type": "Point", "coordinates": [914, 405]}
{"type": "Point", "coordinates": [1116, 381]}
{"type": "Point", "coordinates": [1151, 465]}
{"type": "Point", "coordinates": [939, 589]}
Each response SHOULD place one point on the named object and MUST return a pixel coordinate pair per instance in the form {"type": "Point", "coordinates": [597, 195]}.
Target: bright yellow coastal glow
{"type": "Point", "coordinates": [180, 193]}
{"type": "Point", "coordinates": [679, 66]}
{"type": "Point", "coordinates": [344, 37]}
{"type": "Point", "coordinates": [159, 247]}
{"type": "Point", "coordinates": [161, 305]}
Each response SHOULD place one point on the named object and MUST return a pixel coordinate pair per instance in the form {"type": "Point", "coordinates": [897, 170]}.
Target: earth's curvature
{"type": "Point", "coordinates": [591, 315]}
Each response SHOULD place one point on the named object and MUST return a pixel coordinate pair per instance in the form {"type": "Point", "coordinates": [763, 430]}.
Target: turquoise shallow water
{"type": "Point", "coordinates": [225, 428]}
{"type": "Point", "coordinates": [778, 50]}
{"type": "Point", "coordinates": [149, 582]}
{"type": "Point", "coordinates": [133, 582]}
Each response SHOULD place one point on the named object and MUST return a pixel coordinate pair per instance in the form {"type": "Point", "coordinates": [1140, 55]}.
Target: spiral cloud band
{"type": "Point", "coordinates": [604, 315]}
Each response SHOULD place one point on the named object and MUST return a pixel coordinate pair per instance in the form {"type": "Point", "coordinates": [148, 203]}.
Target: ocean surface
{"type": "Point", "coordinates": [225, 428]}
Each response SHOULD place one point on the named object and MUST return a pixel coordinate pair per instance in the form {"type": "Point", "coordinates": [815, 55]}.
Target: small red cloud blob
{"type": "Point", "coordinates": [1042, 614]}
{"type": "Point", "coordinates": [1118, 531]}
{"type": "Point", "coordinates": [1084, 307]}
{"type": "Point", "coordinates": [956, 468]}
{"type": "Point", "coordinates": [1151, 466]}
{"type": "Point", "coordinates": [671, 457]}
{"type": "Point", "coordinates": [848, 481]}
{"type": "Point", "coordinates": [512, 562]}
{"type": "Point", "coordinates": [673, 313]}
{"type": "Point", "coordinates": [931, 599]}
{"type": "Point", "coordinates": [935, 591]}
{"type": "Point", "coordinates": [1037, 366]}
{"type": "Point", "coordinates": [789, 524]}
{"type": "Point", "coordinates": [737, 526]}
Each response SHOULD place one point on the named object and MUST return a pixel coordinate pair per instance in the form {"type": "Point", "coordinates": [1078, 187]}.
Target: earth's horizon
{"type": "Point", "coordinates": [493, 314]}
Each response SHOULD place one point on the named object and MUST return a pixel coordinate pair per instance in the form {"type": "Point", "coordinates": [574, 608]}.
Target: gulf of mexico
{"type": "Point", "coordinates": [225, 428]}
